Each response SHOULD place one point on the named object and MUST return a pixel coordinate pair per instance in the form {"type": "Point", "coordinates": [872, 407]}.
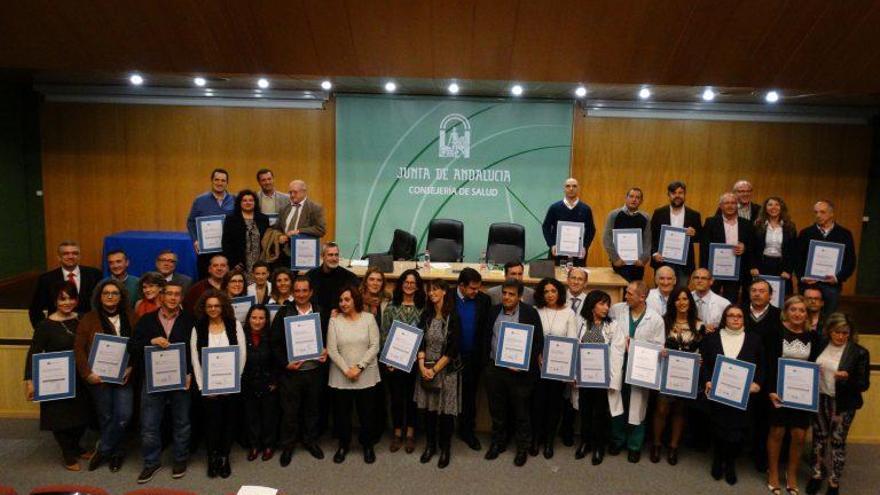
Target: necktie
{"type": "Point", "coordinates": [296, 212]}
{"type": "Point", "coordinates": [71, 277]}
{"type": "Point", "coordinates": [575, 303]}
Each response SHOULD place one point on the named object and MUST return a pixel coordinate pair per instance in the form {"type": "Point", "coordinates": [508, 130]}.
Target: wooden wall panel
{"type": "Point", "coordinates": [799, 162]}
{"type": "Point", "coordinates": [108, 168]}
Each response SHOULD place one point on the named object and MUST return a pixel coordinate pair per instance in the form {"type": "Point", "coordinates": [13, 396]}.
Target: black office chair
{"type": "Point", "coordinates": [446, 240]}
{"type": "Point", "coordinates": [507, 242]}
{"type": "Point", "coordinates": [403, 247]}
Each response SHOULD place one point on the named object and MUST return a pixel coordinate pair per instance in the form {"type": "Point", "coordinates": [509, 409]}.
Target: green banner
{"type": "Point", "coordinates": [403, 161]}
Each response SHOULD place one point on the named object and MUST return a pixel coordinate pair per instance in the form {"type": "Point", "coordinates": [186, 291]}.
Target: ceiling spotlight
{"type": "Point", "coordinates": [326, 85]}
{"type": "Point", "coordinates": [263, 83]}
{"type": "Point", "coordinates": [516, 90]}
{"type": "Point", "coordinates": [453, 88]}
{"type": "Point", "coordinates": [708, 94]}
{"type": "Point", "coordinates": [772, 96]}
{"type": "Point", "coordinates": [199, 81]}
{"type": "Point", "coordinates": [580, 92]}
{"type": "Point", "coordinates": [644, 93]}
{"type": "Point", "coordinates": [136, 79]}
{"type": "Point", "coordinates": [209, 93]}
{"type": "Point", "coordinates": [390, 87]}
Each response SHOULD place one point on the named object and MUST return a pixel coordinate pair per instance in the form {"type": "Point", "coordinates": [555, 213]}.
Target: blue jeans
{"type": "Point", "coordinates": [152, 411]}
{"type": "Point", "coordinates": [113, 404]}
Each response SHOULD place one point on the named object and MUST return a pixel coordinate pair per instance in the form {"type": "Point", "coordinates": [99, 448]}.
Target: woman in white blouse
{"type": "Point", "coordinates": [216, 326]}
{"type": "Point", "coordinates": [557, 320]}
{"type": "Point", "coordinates": [773, 251]}
{"type": "Point", "coordinates": [281, 282]}
{"type": "Point", "coordinates": [353, 344]}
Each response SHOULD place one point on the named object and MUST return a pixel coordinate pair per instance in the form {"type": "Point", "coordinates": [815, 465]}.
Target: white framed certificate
{"type": "Point", "coordinates": [302, 335]}
{"type": "Point", "coordinates": [220, 367]}
{"type": "Point", "coordinates": [108, 357]}
{"type": "Point", "coordinates": [165, 369]}
{"type": "Point", "coordinates": [673, 245]}
{"type": "Point", "coordinates": [628, 244]}
{"type": "Point", "coordinates": [54, 376]}
{"type": "Point", "coordinates": [731, 380]}
{"type": "Point", "coordinates": [209, 233]}
{"type": "Point", "coordinates": [681, 371]}
{"type": "Point", "coordinates": [514, 346]}
{"type": "Point", "coordinates": [777, 284]}
{"type": "Point", "coordinates": [305, 252]}
{"type": "Point", "coordinates": [569, 239]}
{"type": "Point", "coordinates": [594, 365]}
{"type": "Point", "coordinates": [402, 346]}
{"type": "Point", "coordinates": [643, 364]}
{"type": "Point", "coordinates": [797, 384]}
{"type": "Point", "coordinates": [723, 261]}
{"type": "Point", "coordinates": [560, 358]}
{"type": "Point", "coordinates": [241, 305]}
{"type": "Point", "coordinates": [824, 259]}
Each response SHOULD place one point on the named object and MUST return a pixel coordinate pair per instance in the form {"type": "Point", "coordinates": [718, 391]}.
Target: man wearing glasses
{"type": "Point", "coordinates": [166, 264]}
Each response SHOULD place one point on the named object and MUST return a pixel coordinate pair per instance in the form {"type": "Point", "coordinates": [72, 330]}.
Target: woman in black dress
{"type": "Point", "coordinates": [67, 419]}
{"type": "Point", "coordinates": [243, 230]}
{"type": "Point", "coordinates": [259, 387]}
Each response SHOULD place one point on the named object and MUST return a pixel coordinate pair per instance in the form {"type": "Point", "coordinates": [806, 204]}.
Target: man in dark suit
{"type": "Point", "coordinates": [676, 215]}
{"type": "Point", "coordinates": [301, 217]}
{"type": "Point", "coordinates": [166, 265]}
{"type": "Point", "coordinates": [827, 230]}
{"type": "Point", "coordinates": [744, 206]}
{"type": "Point", "coordinates": [509, 390]}
{"type": "Point", "coordinates": [473, 308]}
{"type": "Point", "coordinates": [84, 277]}
{"type": "Point", "coordinates": [729, 228]}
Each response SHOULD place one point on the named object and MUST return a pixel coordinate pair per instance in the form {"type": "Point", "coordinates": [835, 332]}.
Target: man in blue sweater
{"type": "Point", "coordinates": [217, 201]}
{"type": "Point", "coordinates": [569, 209]}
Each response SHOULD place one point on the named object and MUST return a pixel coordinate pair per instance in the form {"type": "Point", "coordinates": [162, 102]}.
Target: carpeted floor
{"type": "Point", "coordinates": [29, 458]}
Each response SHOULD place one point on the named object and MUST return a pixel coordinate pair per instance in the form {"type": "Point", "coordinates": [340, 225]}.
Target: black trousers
{"type": "Point", "coordinates": [364, 401]}
{"type": "Point", "coordinates": [401, 386]}
{"type": "Point", "coordinates": [221, 423]}
{"type": "Point", "coordinates": [562, 260]}
{"type": "Point", "coordinates": [300, 395]}
{"type": "Point", "coordinates": [510, 396]}
{"type": "Point", "coordinates": [439, 426]}
{"type": "Point", "coordinates": [761, 429]}
{"type": "Point", "coordinates": [68, 439]}
{"type": "Point", "coordinates": [547, 404]}
{"type": "Point", "coordinates": [630, 272]}
{"type": "Point", "coordinates": [729, 290]}
{"type": "Point", "coordinates": [595, 416]}
{"type": "Point", "coordinates": [261, 415]}
{"type": "Point", "coordinates": [470, 381]}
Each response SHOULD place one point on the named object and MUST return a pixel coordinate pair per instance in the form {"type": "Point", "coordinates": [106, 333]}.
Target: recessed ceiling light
{"type": "Point", "coordinates": [580, 92]}
{"type": "Point", "coordinates": [263, 83]}
{"type": "Point", "coordinates": [326, 85]}
{"type": "Point", "coordinates": [516, 90]}
{"type": "Point", "coordinates": [772, 96]}
{"type": "Point", "coordinates": [136, 79]}
{"type": "Point", "coordinates": [199, 81]}
{"type": "Point", "coordinates": [644, 93]}
{"type": "Point", "coordinates": [453, 88]}
{"type": "Point", "coordinates": [390, 87]}
{"type": "Point", "coordinates": [708, 94]}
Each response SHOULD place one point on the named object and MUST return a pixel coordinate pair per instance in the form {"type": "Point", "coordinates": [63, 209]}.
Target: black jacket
{"type": "Point", "coordinates": [661, 217]}
{"type": "Point", "coordinates": [450, 348]}
{"type": "Point", "coordinates": [42, 300]}
{"type": "Point", "coordinates": [774, 352]}
{"type": "Point", "coordinates": [259, 367]}
{"type": "Point", "coordinates": [528, 316]}
{"type": "Point", "coordinates": [856, 361]}
{"type": "Point", "coordinates": [752, 351]}
{"type": "Point", "coordinates": [839, 235]}
{"type": "Point", "coordinates": [481, 322]}
{"type": "Point", "coordinates": [279, 340]}
{"type": "Point", "coordinates": [149, 327]}
{"type": "Point", "coordinates": [754, 209]}
{"type": "Point", "coordinates": [713, 232]}
{"type": "Point", "coordinates": [235, 236]}
{"type": "Point", "coordinates": [789, 249]}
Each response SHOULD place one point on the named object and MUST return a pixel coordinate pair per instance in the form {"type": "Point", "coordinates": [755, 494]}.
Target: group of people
{"type": "Point", "coordinates": [283, 403]}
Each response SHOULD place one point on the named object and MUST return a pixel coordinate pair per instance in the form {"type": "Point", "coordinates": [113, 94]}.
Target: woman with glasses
{"type": "Point", "coordinates": [235, 284]}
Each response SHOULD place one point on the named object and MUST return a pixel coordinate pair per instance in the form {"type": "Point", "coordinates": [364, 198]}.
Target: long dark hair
{"type": "Point", "coordinates": [241, 194]}
{"type": "Point", "coordinates": [723, 322]}
{"type": "Point", "coordinates": [540, 302]}
{"type": "Point", "coordinates": [247, 320]}
{"type": "Point", "coordinates": [593, 298]}
{"type": "Point", "coordinates": [672, 311]}
{"type": "Point", "coordinates": [123, 295]}
{"type": "Point", "coordinates": [761, 221]}
{"type": "Point", "coordinates": [418, 297]}
{"type": "Point", "coordinates": [227, 312]}
{"type": "Point", "coordinates": [448, 299]}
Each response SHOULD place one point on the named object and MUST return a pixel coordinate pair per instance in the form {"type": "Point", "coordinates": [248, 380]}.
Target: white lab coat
{"type": "Point", "coordinates": [650, 329]}
{"type": "Point", "coordinates": [616, 341]}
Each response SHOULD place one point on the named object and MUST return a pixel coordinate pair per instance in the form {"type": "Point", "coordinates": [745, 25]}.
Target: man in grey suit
{"type": "Point", "coordinates": [514, 270]}
{"type": "Point", "coordinates": [301, 217]}
{"type": "Point", "coordinates": [166, 264]}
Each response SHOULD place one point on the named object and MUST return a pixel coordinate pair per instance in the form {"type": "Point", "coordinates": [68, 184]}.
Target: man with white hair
{"type": "Point", "coordinates": [665, 281]}
{"type": "Point", "coordinates": [827, 230]}
{"type": "Point", "coordinates": [728, 228]}
{"type": "Point", "coordinates": [301, 217]}
{"type": "Point", "coordinates": [745, 208]}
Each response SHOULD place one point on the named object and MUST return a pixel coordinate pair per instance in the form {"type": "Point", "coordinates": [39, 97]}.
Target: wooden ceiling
{"type": "Point", "coordinates": [804, 45]}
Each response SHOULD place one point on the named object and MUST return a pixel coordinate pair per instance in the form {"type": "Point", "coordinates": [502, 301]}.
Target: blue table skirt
{"type": "Point", "coordinates": [143, 246]}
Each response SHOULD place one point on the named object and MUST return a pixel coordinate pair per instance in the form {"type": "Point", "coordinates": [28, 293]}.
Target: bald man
{"type": "Point", "coordinates": [569, 209]}
{"type": "Point", "coordinates": [301, 217]}
{"type": "Point", "coordinates": [728, 228]}
{"type": "Point", "coordinates": [826, 229]}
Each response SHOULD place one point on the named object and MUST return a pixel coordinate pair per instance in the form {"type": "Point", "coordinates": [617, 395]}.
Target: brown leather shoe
{"type": "Point", "coordinates": [410, 445]}
{"type": "Point", "coordinates": [72, 467]}
{"type": "Point", "coordinates": [396, 443]}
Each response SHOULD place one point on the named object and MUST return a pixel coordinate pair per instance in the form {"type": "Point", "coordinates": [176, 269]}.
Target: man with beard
{"type": "Point", "coordinates": [676, 215]}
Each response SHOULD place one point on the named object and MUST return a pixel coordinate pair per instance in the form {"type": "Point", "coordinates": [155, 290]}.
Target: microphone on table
{"type": "Point", "coordinates": [356, 246]}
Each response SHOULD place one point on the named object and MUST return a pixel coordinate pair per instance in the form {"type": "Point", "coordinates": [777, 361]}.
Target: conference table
{"type": "Point", "coordinates": [602, 278]}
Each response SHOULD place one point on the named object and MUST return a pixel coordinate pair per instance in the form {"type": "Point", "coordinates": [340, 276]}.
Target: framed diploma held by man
{"type": "Point", "coordinates": [797, 384]}
{"type": "Point", "coordinates": [305, 252]}
{"type": "Point", "coordinates": [560, 358]}
{"type": "Point", "coordinates": [680, 376]}
{"type": "Point", "coordinates": [643, 364]}
{"type": "Point", "coordinates": [628, 244]}
{"type": "Point", "coordinates": [731, 380]}
{"type": "Point", "coordinates": [303, 337]}
{"type": "Point", "coordinates": [241, 305]}
{"type": "Point", "coordinates": [723, 261]}
{"type": "Point", "coordinates": [824, 259]}
{"type": "Point", "coordinates": [402, 346]}
{"type": "Point", "coordinates": [673, 245]}
{"type": "Point", "coordinates": [220, 367]}
{"type": "Point", "coordinates": [53, 375]}
{"type": "Point", "coordinates": [594, 365]}
{"type": "Point", "coordinates": [209, 233]}
{"type": "Point", "coordinates": [108, 357]}
{"type": "Point", "coordinates": [514, 346]}
{"type": "Point", "coordinates": [569, 239]}
{"type": "Point", "coordinates": [165, 369]}
{"type": "Point", "coordinates": [777, 298]}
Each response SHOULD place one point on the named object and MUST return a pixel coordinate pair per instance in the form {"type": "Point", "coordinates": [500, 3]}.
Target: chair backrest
{"type": "Point", "coordinates": [403, 246]}
{"type": "Point", "coordinates": [446, 240]}
{"type": "Point", "coordinates": [507, 242]}
{"type": "Point", "coordinates": [159, 491]}
{"type": "Point", "coordinates": [69, 490]}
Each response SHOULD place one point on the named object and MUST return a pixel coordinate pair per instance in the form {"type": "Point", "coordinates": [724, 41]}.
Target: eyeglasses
{"type": "Point", "coordinates": [110, 294]}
